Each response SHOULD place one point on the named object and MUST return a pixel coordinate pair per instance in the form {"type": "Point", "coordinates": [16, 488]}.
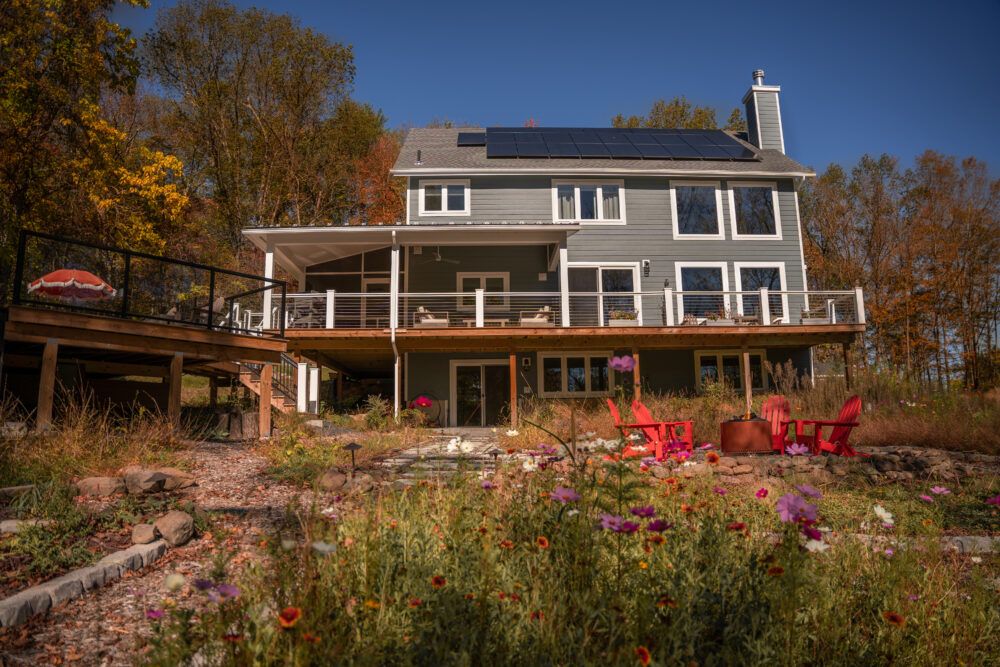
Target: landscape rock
{"type": "Point", "coordinates": [143, 533]}
{"type": "Point", "coordinates": [14, 525]}
{"type": "Point", "coordinates": [10, 492]}
{"type": "Point", "coordinates": [176, 527]}
{"type": "Point", "coordinates": [743, 469]}
{"type": "Point", "coordinates": [361, 482]}
{"type": "Point", "coordinates": [332, 480]}
{"type": "Point", "coordinates": [100, 486]}
{"type": "Point", "coordinates": [140, 480]}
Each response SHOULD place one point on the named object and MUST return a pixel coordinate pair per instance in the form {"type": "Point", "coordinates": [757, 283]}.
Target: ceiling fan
{"type": "Point", "coordinates": [437, 258]}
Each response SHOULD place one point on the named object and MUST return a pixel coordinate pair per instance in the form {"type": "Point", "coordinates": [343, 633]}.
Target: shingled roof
{"type": "Point", "coordinates": [441, 154]}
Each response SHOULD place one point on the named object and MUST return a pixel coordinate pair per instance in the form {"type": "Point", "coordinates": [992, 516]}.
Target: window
{"type": "Point", "coordinates": [752, 276]}
{"type": "Point", "coordinates": [755, 210]}
{"type": "Point", "coordinates": [711, 365]}
{"type": "Point", "coordinates": [703, 277]}
{"type": "Point", "coordinates": [574, 375]}
{"type": "Point", "coordinates": [495, 285]}
{"type": "Point", "coordinates": [596, 291]}
{"type": "Point", "coordinates": [444, 198]}
{"type": "Point", "coordinates": [589, 201]}
{"type": "Point", "coordinates": [696, 209]}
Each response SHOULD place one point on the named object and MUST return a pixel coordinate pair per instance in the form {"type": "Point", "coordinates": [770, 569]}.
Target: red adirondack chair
{"type": "Point", "coordinates": [776, 411]}
{"type": "Point", "coordinates": [842, 427]}
{"type": "Point", "coordinates": [655, 444]}
{"type": "Point", "coordinates": [674, 436]}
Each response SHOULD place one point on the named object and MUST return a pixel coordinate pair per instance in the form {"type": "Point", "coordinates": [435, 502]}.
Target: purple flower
{"type": "Point", "coordinates": [890, 552]}
{"type": "Point", "coordinates": [721, 491]}
{"type": "Point", "coordinates": [995, 500]}
{"type": "Point", "coordinates": [623, 364]}
{"type": "Point", "coordinates": [658, 526]}
{"type": "Point", "coordinates": [617, 524]}
{"type": "Point", "coordinates": [793, 509]}
{"type": "Point", "coordinates": [912, 597]}
{"type": "Point", "coordinates": [706, 445]}
{"type": "Point", "coordinates": [761, 493]}
{"type": "Point", "coordinates": [927, 499]}
{"type": "Point", "coordinates": [645, 512]}
{"type": "Point", "coordinates": [796, 449]}
{"type": "Point", "coordinates": [812, 533]}
{"type": "Point", "coordinates": [809, 491]}
{"type": "Point", "coordinates": [228, 591]}
{"type": "Point", "coordinates": [940, 490]}
{"type": "Point", "coordinates": [203, 584]}
{"type": "Point", "coordinates": [486, 484]}
{"type": "Point", "coordinates": [629, 527]}
{"type": "Point", "coordinates": [154, 614]}
{"type": "Point", "coordinates": [564, 495]}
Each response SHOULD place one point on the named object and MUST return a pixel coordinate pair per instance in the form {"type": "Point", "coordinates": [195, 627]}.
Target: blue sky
{"type": "Point", "coordinates": [856, 77]}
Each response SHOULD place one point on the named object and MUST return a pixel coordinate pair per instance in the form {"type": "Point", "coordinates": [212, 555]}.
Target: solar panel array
{"type": "Point", "coordinates": [611, 143]}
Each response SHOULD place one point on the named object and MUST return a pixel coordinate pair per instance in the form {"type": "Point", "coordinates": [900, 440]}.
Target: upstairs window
{"type": "Point", "coordinates": [696, 207]}
{"type": "Point", "coordinates": [444, 198]}
{"type": "Point", "coordinates": [755, 210]}
{"type": "Point", "coordinates": [589, 201]}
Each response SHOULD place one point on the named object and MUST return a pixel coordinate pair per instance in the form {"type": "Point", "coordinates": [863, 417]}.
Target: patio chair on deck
{"type": "Point", "coordinates": [842, 427]}
{"type": "Point", "coordinates": [537, 318]}
{"type": "Point", "coordinates": [676, 436]}
{"type": "Point", "coordinates": [425, 318]}
{"type": "Point", "coordinates": [777, 411]}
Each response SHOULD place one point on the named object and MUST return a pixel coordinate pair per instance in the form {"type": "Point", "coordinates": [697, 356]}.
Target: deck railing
{"type": "Point", "coordinates": [482, 309]}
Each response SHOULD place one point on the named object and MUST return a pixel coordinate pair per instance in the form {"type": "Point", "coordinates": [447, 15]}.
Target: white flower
{"type": "Point", "coordinates": [635, 436]}
{"type": "Point", "coordinates": [529, 465]}
{"type": "Point", "coordinates": [512, 433]}
{"type": "Point", "coordinates": [323, 548]}
{"type": "Point", "coordinates": [572, 512]}
{"type": "Point", "coordinates": [174, 582]}
{"type": "Point", "coordinates": [288, 544]}
{"type": "Point", "coordinates": [330, 512]}
{"type": "Point", "coordinates": [688, 463]}
{"type": "Point", "coordinates": [884, 515]}
{"type": "Point", "coordinates": [816, 546]}
{"type": "Point", "coordinates": [976, 559]}
{"type": "Point", "coordinates": [454, 444]}
{"type": "Point", "coordinates": [466, 447]}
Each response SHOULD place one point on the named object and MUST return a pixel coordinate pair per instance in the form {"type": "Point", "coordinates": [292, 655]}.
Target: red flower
{"type": "Point", "coordinates": [712, 458]}
{"type": "Point", "coordinates": [312, 639]}
{"type": "Point", "coordinates": [666, 601]}
{"type": "Point", "coordinates": [414, 603]}
{"type": "Point", "coordinates": [437, 581]}
{"type": "Point", "coordinates": [506, 544]}
{"type": "Point", "coordinates": [642, 653]}
{"type": "Point", "coordinates": [232, 637]}
{"type": "Point", "coordinates": [542, 542]}
{"type": "Point", "coordinates": [736, 525]}
{"type": "Point", "coordinates": [537, 615]}
{"type": "Point", "coordinates": [289, 616]}
{"type": "Point", "coordinates": [894, 618]}
{"type": "Point", "coordinates": [775, 571]}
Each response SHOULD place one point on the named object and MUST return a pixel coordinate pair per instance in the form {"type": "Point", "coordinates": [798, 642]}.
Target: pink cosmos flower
{"type": "Point", "coordinates": [683, 455]}
{"type": "Point", "coordinates": [228, 591]}
{"type": "Point", "coordinates": [707, 445]}
{"type": "Point", "coordinates": [796, 449]}
{"type": "Point", "coordinates": [995, 500]}
{"type": "Point", "coordinates": [564, 495]}
{"type": "Point", "coordinates": [644, 512]}
{"type": "Point", "coordinates": [912, 597]}
{"type": "Point", "coordinates": [611, 522]}
{"type": "Point", "coordinates": [927, 499]}
{"type": "Point", "coordinates": [623, 364]}
{"type": "Point", "coordinates": [812, 533]}
{"type": "Point", "coordinates": [658, 526]}
{"type": "Point", "coordinates": [719, 490]}
{"type": "Point", "coordinates": [487, 484]}
{"type": "Point", "coordinates": [154, 614]}
{"type": "Point", "coordinates": [794, 509]}
{"type": "Point", "coordinates": [422, 402]}
{"type": "Point", "coordinates": [940, 490]}
{"type": "Point", "coordinates": [761, 493]}
{"type": "Point", "coordinates": [890, 552]}
{"type": "Point", "coordinates": [808, 491]}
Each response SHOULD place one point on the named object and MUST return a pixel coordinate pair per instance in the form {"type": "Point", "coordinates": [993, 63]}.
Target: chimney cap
{"type": "Point", "coordinates": [758, 77]}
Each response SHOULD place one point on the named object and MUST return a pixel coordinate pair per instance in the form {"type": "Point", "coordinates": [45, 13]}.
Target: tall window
{"type": "Point", "coordinates": [704, 277]}
{"type": "Point", "coordinates": [697, 209]}
{"type": "Point", "coordinates": [755, 210]}
{"type": "Point", "coordinates": [444, 198]}
{"type": "Point", "coordinates": [751, 277]}
{"type": "Point", "coordinates": [574, 374]}
{"type": "Point", "coordinates": [589, 201]}
{"type": "Point", "coordinates": [715, 365]}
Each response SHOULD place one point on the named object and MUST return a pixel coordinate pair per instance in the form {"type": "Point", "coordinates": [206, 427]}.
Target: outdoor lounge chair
{"type": "Point", "coordinates": [537, 318]}
{"type": "Point", "coordinates": [842, 427]}
{"type": "Point", "coordinates": [777, 411]}
{"type": "Point", "coordinates": [423, 318]}
{"type": "Point", "coordinates": [676, 436]}
{"type": "Point", "coordinates": [626, 429]}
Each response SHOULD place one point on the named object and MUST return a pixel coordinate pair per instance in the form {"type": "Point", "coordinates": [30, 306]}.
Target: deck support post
{"type": "Point", "coordinates": [213, 393]}
{"type": "Point", "coordinates": [314, 390]}
{"type": "Point", "coordinates": [268, 273]}
{"type": "Point", "coordinates": [747, 381]}
{"type": "Point", "coordinates": [513, 389]}
{"type": "Point", "coordinates": [636, 376]}
{"type": "Point", "coordinates": [264, 405]}
{"type": "Point", "coordinates": [46, 385]}
{"type": "Point", "coordinates": [847, 363]}
{"type": "Point", "coordinates": [174, 389]}
{"type": "Point", "coordinates": [340, 388]}
{"type": "Point", "coordinates": [302, 388]}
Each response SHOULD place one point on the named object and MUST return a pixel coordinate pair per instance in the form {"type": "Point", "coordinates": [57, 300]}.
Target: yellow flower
{"type": "Point", "coordinates": [643, 565]}
{"type": "Point", "coordinates": [372, 604]}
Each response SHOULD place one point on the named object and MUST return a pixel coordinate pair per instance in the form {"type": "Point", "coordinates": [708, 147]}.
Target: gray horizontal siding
{"type": "Point", "coordinates": [493, 199]}
{"type": "Point", "coordinates": [770, 120]}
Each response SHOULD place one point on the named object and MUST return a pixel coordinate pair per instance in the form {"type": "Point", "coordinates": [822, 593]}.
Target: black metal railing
{"type": "Point", "coordinates": [285, 376]}
{"type": "Point", "coordinates": [143, 286]}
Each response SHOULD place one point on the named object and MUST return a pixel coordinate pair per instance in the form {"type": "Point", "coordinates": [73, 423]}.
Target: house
{"type": "Point", "coordinates": [529, 256]}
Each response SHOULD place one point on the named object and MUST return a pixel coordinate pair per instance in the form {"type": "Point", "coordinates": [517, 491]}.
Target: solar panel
{"type": "Point", "coordinates": [532, 149]}
{"type": "Point", "coordinates": [563, 150]}
{"type": "Point", "coordinates": [471, 138]}
{"type": "Point", "coordinates": [622, 150]}
{"type": "Point", "coordinates": [593, 150]}
{"type": "Point", "coordinates": [498, 149]}
{"type": "Point", "coordinates": [654, 151]}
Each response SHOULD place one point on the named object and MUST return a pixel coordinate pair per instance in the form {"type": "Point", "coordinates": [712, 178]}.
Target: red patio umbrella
{"type": "Point", "coordinates": [75, 284]}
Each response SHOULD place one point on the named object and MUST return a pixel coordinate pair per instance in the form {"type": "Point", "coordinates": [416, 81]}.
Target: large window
{"type": "Point", "coordinates": [755, 210]}
{"type": "Point", "coordinates": [589, 201]}
{"type": "Point", "coordinates": [599, 291]}
{"type": "Point", "coordinates": [444, 197]}
{"type": "Point", "coordinates": [753, 276]}
{"type": "Point", "coordinates": [715, 365]}
{"type": "Point", "coordinates": [696, 208]}
{"type": "Point", "coordinates": [495, 285]}
{"type": "Point", "coordinates": [703, 277]}
{"type": "Point", "coordinates": [574, 374]}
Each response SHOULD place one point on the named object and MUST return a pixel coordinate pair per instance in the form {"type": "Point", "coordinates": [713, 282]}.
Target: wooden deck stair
{"type": "Point", "coordinates": [249, 377]}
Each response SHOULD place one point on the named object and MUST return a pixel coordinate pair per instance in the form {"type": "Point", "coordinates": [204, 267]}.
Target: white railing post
{"type": "Point", "coordinates": [680, 307]}
{"type": "Point", "coordinates": [765, 307]}
{"type": "Point", "coordinates": [564, 284]}
{"type": "Point", "coordinates": [480, 308]}
{"type": "Point", "coordinates": [314, 390]}
{"type": "Point", "coordinates": [268, 273]}
{"type": "Point", "coordinates": [831, 311]}
{"type": "Point", "coordinates": [302, 388]}
{"type": "Point", "coordinates": [859, 305]}
{"type": "Point", "coordinates": [668, 303]}
{"type": "Point", "coordinates": [331, 296]}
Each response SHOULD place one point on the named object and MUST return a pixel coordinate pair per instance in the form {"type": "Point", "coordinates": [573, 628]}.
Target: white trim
{"type": "Point", "coordinates": [588, 357]}
{"type": "Point", "coordinates": [718, 210]}
{"type": "Point", "coordinates": [730, 186]}
{"type": "Point", "coordinates": [444, 183]}
{"type": "Point", "coordinates": [409, 192]}
{"type": "Point", "coordinates": [761, 265]}
{"type": "Point", "coordinates": [802, 254]}
{"type": "Point", "coordinates": [781, 129]}
{"type": "Point", "coordinates": [762, 89]}
{"type": "Point", "coordinates": [636, 283]}
{"type": "Point", "coordinates": [482, 275]}
{"type": "Point", "coordinates": [453, 365]}
{"type": "Point", "coordinates": [678, 266]}
{"type": "Point", "coordinates": [756, 114]}
{"type": "Point", "coordinates": [600, 171]}
{"type": "Point", "coordinates": [718, 354]}
{"type": "Point", "coordinates": [576, 183]}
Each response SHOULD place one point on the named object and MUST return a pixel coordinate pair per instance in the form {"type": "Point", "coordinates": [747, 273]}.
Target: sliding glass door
{"type": "Point", "coordinates": [606, 290]}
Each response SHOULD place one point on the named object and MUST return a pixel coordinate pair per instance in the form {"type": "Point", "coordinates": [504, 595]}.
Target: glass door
{"type": "Point", "coordinates": [600, 284]}
{"type": "Point", "coordinates": [482, 394]}
{"type": "Point", "coordinates": [469, 396]}
{"type": "Point", "coordinates": [375, 310]}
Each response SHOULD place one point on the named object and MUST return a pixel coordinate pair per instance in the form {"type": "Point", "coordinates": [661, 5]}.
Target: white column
{"type": "Point", "coordinates": [394, 287]}
{"type": "Point", "coordinates": [268, 273]}
{"type": "Point", "coordinates": [480, 308]}
{"type": "Point", "coordinates": [765, 307]}
{"type": "Point", "coordinates": [314, 389]}
{"type": "Point", "coordinates": [301, 388]}
{"type": "Point", "coordinates": [668, 303]}
{"type": "Point", "coordinates": [859, 305]}
{"type": "Point", "coordinates": [331, 296]}
{"type": "Point", "coordinates": [564, 283]}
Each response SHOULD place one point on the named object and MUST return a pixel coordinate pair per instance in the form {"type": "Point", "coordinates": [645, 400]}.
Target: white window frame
{"type": "Point", "coordinates": [730, 186]}
{"type": "Point", "coordinates": [482, 275]}
{"type": "Point", "coordinates": [720, 221]}
{"type": "Point", "coordinates": [444, 183]}
{"type": "Point", "coordinates": [718, 354]}
{"type": "Point", "coordinates": [701, 265]}
{"type": "Point", "coordinates": [762, 265]}
{"type": "Point", "coordinates": [636, 284]}
{"type": "Point", "coordinates": [564, 393]}
{"type": "Point", "coordinates": [576, 183]}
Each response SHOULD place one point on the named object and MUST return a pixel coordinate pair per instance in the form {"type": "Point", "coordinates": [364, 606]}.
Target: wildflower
{"type": "Point", "coordinates": [467, 447]}
{"type": "Point", "coordinates": [422, 402]}
{"type": "Point", "coordinates": [658, 526]}
{"type": "Point", "coordinates": [926, 523]}
{"type": "Point", "coordinates": [927, 499]}
{"type": "Point", "coordinates": [232, 637]}
{"type": "Point", "coordinates": [324, 548]}
{"type": "Point", "coordinates": [706, 445]}
{"type": "Point", "coordinates": [203, 584]}
{"type": "Point", "coordinates": [656, 538]}
{"type": "Point", "coordinates": [889, 552]}
{"type": "Point", "coordinates": [643, 565]}
{"type": "Point", "coordinates": [288, 617]}
{"type": "Point", "coordinates": [506, 544]}
{"type": "Point", "coordinates": [228, 591]}
{"type": "Point", "coordinates": [884, 515]}
{"type": "Point", "coordinates": [537, 615]}
{"type": "Point", "coordinates": [809, 491]}
{"type": "Point", "coordinates": [514, 597]}
{"type": "Point", "coordinates": [687, 509]}
{"type": "Point", "coordinates": [795, 449]}
{"type": "Point", "coordinates": [719, 490]}
{"type": "Point", "coordinates": [512, 433]}
{"type": "Point", "coordinates": [794, 509]}
{"type": "Point", "coordinates": [642, 653]}
{"type": "Point", "coordinates": [312, 639]}
{"type": "Point", "coordinates": [611, 522]}
{"type": "Point", "coordinates": [623, 364]}
{"type": "Point", "coordinates": [437, 581]}
{"type": "Point", "coordinates": [816, 546]}
{"type": "Point", "coordinates": [469, 596]}
{"type": "Point", "coordinates": [154, 614]}
{"type": "Point", "coordinates": [976, 560]}
{"type": "Point", "coordinates": [894, 618]}
{"type": "Point", "coordinates": [666, 601]}
{"type": "Point", "coordinates": [174, 582]}
{"type": "Point", "coordinates": [529, 465]}
{"type": "Point", "coordinates": [330, 513]}
{"type": "Point", "coordinates": [643, 512]}
{"type": "Point", "coordinates": [761, 493]}
{"type": "Point", "coordinates": [912, 597]}
{"type": "Point", "coordinates": [372, 604]}
{"type": "Point", "coordinates": [995, 500]}
{"type": "Point", "coordinates": [940, 490]}
{"type": "Point", "coordinates": [454, 444]}
{"type": "Point", "coordinates": [775, 571]}
{"type": "Point", "coordinates": [414, 603]}
{"type": "Point", "coordinates": [542, 542]}
{"type": "Point", "coordinates": [564, 495]}
{"type": "Point", "coordinates": [487, 484]}
{"type": "Point", "coordinates": [736, 526]}
{"type": "Point", "coordinates": [712, 458]}
{"type": "Point", "coordinates": [812, 533]}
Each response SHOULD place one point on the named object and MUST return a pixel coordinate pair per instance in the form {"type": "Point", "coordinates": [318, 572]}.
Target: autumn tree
{"type": "Point", "coordinates": [680, 113]}
{"type": "Point", "coordinates": [381, 196]}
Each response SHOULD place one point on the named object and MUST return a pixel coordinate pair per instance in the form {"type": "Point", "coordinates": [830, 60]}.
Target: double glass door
{"type": "Point", "coordinates": [481, 393]}
{"type": "Point", "coordinates": [605, 290]}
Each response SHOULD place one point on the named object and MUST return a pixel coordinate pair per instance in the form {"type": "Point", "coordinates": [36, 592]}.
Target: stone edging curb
{"type": "Point", "coordinates": [19, 607]}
